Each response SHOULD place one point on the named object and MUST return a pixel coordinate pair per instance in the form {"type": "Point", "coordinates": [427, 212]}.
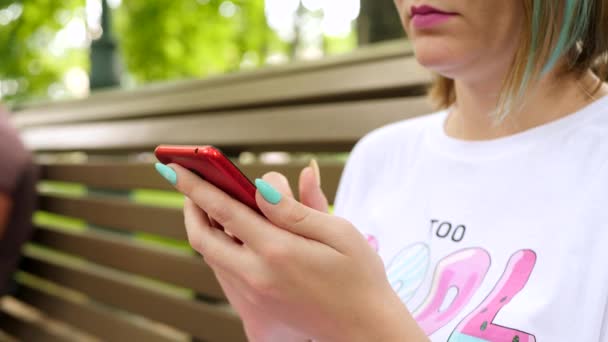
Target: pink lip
{"type": "Point", "coordinates": [427, 16]}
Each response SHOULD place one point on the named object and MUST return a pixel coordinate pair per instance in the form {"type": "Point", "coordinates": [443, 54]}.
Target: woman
{"type": "Point", "coordinates": [17, 197]}
{"type": "Point", "coordinates": [488, 215]}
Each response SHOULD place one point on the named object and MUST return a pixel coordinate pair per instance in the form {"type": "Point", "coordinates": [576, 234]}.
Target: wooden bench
{"type": "Point", "coordinates": [109, 260]}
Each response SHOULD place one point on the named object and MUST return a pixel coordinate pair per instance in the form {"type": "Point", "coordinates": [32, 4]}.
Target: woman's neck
{"type": "Point", "coordinates": [549, 100]}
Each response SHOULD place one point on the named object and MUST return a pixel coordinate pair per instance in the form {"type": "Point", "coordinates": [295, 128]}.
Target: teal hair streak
{"type": "Point", "coordinates": [575, 24]}
{"type": "Point", "coordinates": [574, 27]}
{"type": "Point", "coordinates": [577, 14]}
{"type": "Point", "coordinates": [536, 15]}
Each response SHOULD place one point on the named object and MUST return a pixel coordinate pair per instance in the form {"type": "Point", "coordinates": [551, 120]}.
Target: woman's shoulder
{"type": "Point", "coordinates": [12, 151]}
{"type": "Point", "coordinates": [592, 130]}
{"type": "Point", "coordinates": [9, 136]}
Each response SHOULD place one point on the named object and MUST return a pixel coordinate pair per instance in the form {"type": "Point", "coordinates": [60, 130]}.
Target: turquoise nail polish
{"type": "Point", "coordinates": [270, 194]}
{"type": "Point", "coordinates": [167, 173]}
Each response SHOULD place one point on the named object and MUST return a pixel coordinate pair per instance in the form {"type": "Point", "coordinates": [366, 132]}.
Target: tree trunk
{"type": "Point", "coordinates": [378, 21]}
{"type": "Point", "coordinates": [104, 61]}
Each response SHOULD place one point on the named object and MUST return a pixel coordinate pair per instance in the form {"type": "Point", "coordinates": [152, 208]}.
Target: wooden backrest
{"type": "Point", "coordinates": [109, 256]}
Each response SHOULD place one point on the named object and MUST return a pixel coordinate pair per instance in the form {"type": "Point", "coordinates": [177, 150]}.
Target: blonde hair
{"type": "Point", "coordinates": [575, 30]}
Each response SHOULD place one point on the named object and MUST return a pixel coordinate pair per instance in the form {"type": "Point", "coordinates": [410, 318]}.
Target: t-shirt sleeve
{"type": "Point", "coordinates": [604, 329]}
{"type": "Point", "coordinates": [352, 180]}
{"type": "Point", "coordinates": [347, 183]}
{"type": "Point", "coordinates": [600, 195]}
{"type": "Point", "coordinates": [344, 189]}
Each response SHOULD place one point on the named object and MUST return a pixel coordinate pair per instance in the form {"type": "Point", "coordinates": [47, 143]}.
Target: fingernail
{"type": "Point", "coordinates": [167, 172]}
{"type": "Point", "coordinates": [315, 169]}
{"type": "Point", "coordinates": [270, 194]}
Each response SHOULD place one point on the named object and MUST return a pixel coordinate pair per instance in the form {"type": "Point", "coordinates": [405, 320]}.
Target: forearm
{"type": "Point", "coordinates": [405, 326]}
{"type": "Point", "coordinates": [272, 331]}
{"type": "Point", "coordinates": [392, 322]}
{"type": "Point", "coordinates": [406, 330]}
{"type": "Point", "coordinates": [284, 336]}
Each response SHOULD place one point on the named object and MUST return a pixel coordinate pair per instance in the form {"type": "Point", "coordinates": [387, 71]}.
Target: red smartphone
{"type": "Point", "coordinates": [212, 165]}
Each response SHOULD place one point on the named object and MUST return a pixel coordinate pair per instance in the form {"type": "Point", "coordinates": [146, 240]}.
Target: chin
{"type": "Point", "coordinates": [440, 58]}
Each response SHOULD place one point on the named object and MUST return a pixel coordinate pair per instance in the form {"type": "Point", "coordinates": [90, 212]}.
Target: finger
{"type": "Point", "coordinates": [197, 223]}
{"type": "Point", "coordinates": [215, 224]}
{"type": "Point", "coordinates": [221, 251]}
{"type": "Point", "coordinates": [311, 194]}
{"type": "Point", "coordinates": [203, 237]}
{"type": "Point", "coordinates": [299, 219]}
{"type": "Point", "coordinates": [237, 218]}
{"type": "Point", "coordinates": [194, 219]}
{"type": "Point", "coordinates": [200, 218]}
{"type": "Point", "coordinates": [279, 182]}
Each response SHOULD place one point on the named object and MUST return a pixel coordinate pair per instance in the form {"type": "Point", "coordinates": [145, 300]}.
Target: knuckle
{"type": "Point", "coordinates": [189, 190]}
{"type": "Point", "coordinates": [276, 252]}
{"type": "Point", "coordinates": [295, 215]}
{"type": "Point", "coordinates": [343, 224]}
{"type": "Point", "coordinates": [262, 286]}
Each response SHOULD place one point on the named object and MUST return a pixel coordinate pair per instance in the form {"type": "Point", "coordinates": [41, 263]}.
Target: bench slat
{"type": "Point", "coordinates": [26, 331]}
{"type": "Point", "coordinates": [125, 176]}
{"type": "Point", "coordinates": [400, 72]}
{"type": "Point", "coordinates": [119, 253]}
{"type": "Point", "coordinates": [86, 317]}
{"type": "Point", "coordinates": [305, 128]}
{"type": "Point", "coordinates": [208, 322]}
{"type": "Point", "coordinates": [119, 214]}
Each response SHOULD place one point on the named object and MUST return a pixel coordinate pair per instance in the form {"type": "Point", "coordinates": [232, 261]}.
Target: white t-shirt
{"type": "Point", "coordinates": [501, 240]}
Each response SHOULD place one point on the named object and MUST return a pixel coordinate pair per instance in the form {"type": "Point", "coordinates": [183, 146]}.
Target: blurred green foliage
{"type": "Point", "coordinates": [157, 40]}
{"type": "Point", "coordinates": [174, 39]}
{"type": "Point", "coordinates": [31, 59]}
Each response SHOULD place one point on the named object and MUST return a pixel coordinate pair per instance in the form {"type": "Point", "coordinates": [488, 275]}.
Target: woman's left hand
{"type": "Point", "coordinates": [312, 271]}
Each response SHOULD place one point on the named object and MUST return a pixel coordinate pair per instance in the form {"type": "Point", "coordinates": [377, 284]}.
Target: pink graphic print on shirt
{"type": "Point", "coordinates": [372, 241]}
{"type": "Point", "coordinates": [458, 275]}
{"type": "Point", "coordinates": [478, 326]}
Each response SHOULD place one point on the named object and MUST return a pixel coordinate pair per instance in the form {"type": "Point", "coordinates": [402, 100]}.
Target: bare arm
{"type": "Point", "coordinates": [6, 205]}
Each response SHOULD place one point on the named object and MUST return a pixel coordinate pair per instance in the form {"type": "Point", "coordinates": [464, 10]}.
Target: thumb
{"type": "Point", "coordinates": [311, 194]}
{"type": "Point", "coordinates": [291, 215]}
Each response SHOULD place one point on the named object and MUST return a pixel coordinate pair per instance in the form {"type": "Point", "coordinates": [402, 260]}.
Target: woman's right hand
{"type": "Point", "coordinates": [258, 324]}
